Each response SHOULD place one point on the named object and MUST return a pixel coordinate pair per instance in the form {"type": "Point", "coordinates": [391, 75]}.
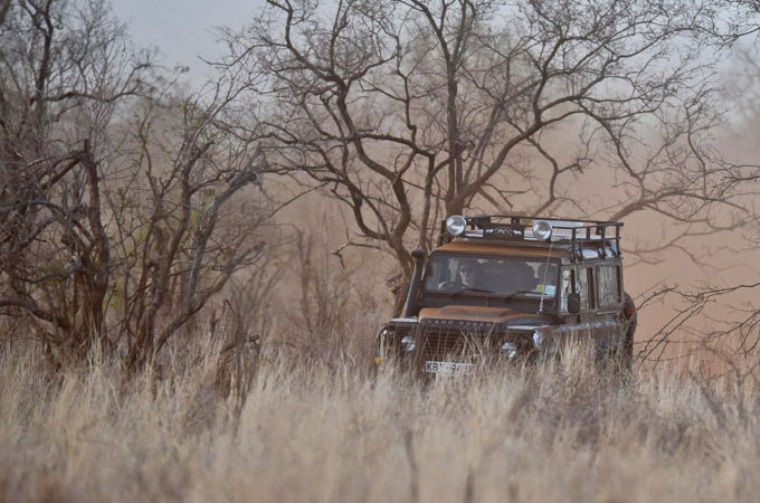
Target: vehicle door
{"type": "Point", "coordinates": [579, 278]}
{"type": "Point", "coordinates": [609, 297]}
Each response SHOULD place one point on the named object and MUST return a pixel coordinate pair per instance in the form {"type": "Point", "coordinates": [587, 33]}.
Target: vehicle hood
{"type": "Point", "coordinates": [479, 313]}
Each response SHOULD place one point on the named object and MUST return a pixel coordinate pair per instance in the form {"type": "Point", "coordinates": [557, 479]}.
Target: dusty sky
{"type": "Point", "coordinates": [183, 30]}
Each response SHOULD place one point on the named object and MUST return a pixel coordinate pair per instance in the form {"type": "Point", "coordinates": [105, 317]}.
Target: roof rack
{"type": "Point", "coordinates": [602, 236]}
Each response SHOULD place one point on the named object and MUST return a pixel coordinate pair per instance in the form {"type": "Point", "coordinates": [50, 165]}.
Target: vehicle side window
{"type": "Point", "coordinates": [586, 287]}
{"type": "Point", "coordinates": [609, 285]}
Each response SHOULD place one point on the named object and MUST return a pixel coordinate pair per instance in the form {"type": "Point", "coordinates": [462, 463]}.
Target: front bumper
{"type": "Point", "coordinates": [453, 348]}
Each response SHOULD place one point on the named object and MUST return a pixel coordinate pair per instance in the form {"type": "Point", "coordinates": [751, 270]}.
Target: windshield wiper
{"type": "Point", "coordinates": [515, 294]}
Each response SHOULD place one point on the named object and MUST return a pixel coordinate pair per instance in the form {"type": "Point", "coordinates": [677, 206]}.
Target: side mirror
{"type": "Point", "coordinates": [573, 303]}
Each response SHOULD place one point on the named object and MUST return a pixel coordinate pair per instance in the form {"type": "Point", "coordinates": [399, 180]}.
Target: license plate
{"type": "Point", "coordinates": [447, 368]}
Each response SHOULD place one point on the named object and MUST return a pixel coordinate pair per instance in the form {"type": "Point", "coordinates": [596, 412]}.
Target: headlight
{"type": "Point", "coordinates": [537, 338]}
{"type": "Point", "coordinates": [509, 349]}
{"type": "Point", "coordinates": [542, 230]}
{"type": "Point", "coordinates": [408, 342]}
{"type": "Point", "coordinates": [456, 224]}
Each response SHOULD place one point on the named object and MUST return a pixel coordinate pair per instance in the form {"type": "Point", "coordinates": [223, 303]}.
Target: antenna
{"type": "Point", "coordinates": [543, 280]}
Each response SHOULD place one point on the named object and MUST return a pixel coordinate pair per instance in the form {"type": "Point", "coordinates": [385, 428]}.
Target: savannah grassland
{"type": "Point", "coordinates": [285, 425]}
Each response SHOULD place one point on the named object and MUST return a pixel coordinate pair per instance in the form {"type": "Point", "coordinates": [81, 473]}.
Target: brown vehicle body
{"type": "Point", "coordinates": [529, 296]}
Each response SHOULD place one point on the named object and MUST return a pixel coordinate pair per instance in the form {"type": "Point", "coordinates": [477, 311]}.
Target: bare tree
{"type": "Point", "coordinates": [745, 8]}
{"type": "Point", "coordinates": [410, 110]}
{"type": "Point", "coordinates": [181, 233]}
{"type": "Point", "coordinates": [62, 73]}
{"type": "Point", "coordinates": [717, 321]}
{"type": "Point", "coordinates": [4, 6]}
{"type": "Point", "coordinates": [119, 208]}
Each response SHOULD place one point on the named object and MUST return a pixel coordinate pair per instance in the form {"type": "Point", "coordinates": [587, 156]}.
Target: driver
{"type": "Point", "coordinates": [469, 275]}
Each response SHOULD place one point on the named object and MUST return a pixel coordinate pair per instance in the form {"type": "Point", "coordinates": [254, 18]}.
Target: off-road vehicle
{"type": "Point", "coordinates": [505, 287]}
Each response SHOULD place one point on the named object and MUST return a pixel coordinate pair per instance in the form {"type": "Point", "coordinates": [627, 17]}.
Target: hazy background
{"type": "Point", "coordinates": [184, 31]}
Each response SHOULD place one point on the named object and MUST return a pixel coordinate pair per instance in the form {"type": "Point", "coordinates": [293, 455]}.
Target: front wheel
{"type": "Point", "coordinates": [630, 316]}
{"type": "Point", "coordinates": [616, 359]}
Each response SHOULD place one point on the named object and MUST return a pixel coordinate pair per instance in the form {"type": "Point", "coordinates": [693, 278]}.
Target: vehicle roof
{"type": "Point", "coordinates": [571, 241]}
{"type": "Point", "coordinates": [501, 248]}
{"type": "Point", "coordinates": [520, 249]}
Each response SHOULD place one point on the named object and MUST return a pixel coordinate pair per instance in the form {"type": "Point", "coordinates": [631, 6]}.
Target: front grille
{"type": "Point", "coordinates": [454, 344]}
{"type": "Point", "coordinates": [451, 341]}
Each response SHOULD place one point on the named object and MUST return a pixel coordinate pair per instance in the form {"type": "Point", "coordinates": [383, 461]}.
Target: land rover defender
{"type": "Point", "coordinates": [505, 288]}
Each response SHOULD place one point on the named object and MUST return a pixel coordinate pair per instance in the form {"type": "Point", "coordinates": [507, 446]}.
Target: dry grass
{"type": "Point", "coordinates": [326, 430]}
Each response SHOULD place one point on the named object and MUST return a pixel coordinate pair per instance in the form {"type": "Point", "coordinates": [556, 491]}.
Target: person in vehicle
{"type": "Point", "coordinates": [470, 276]}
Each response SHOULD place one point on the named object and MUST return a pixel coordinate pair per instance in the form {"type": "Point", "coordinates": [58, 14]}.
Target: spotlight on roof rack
{"type": "Point", "coordinates": [542, 230]}
{"type": "Point", "coordinates": [456, 224]}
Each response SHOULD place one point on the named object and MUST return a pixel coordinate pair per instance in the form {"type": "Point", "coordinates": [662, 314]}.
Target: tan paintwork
{"type": "Point", "coordinates": [486, 248]}
{"type": "Point", "coordinates": [471, 313]}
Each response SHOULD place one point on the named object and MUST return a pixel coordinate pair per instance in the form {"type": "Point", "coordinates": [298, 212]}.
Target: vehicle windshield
{"type": "Point", "coordinates": [531, 277]}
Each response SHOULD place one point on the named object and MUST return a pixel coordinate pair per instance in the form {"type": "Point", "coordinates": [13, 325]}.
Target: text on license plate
{"type": "Point", "coordinates": [447, 367]}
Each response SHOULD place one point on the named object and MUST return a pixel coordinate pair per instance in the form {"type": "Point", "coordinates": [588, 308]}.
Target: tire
{"type": "Point", "coordinates": [618, 360]}
{"type": "Point", "coordinates": [630, 314]}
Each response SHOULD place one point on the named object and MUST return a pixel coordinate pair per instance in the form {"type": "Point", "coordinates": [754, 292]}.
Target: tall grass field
{"type": "Point", "coordinates": [293, 428]}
